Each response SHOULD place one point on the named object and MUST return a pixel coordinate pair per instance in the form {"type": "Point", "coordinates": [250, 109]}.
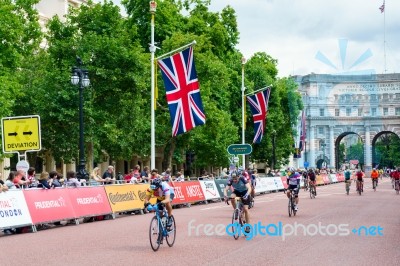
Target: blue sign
{"type": "Point", "coordinates": [306, 164]}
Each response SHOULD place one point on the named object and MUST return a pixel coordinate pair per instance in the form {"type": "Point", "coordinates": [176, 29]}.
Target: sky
{"type": "Point", "coordinates": [319, 36]}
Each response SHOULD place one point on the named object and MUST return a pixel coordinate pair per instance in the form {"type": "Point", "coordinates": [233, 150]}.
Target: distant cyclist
{"type": "Point", "coordinates": [360, 180]}
{"type": "Point", "coordinates": [374, 177]}
{"type": "Point", "coordinates": [163, 192]}
{"type": "Point", "coordinates": [242, 189]}
{"type": "Point", "coordinates": [347, 180]}
{"type": "Point", "coordinates": [293, 181]}
{"type": "Point", "coordinates": [312, 179]}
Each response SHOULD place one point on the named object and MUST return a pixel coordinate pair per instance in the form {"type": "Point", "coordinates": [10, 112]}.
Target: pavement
{"type": "Point", "coordinates": [332, 229]}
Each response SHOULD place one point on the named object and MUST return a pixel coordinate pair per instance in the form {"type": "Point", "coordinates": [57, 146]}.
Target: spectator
{"type": "Point", "coordinates": [136, 174]}
{"type": "Point", "coordinates": [53, 179]}
{"type": "Point", "coordinates": [72, 181]}
{"type": "Point", "coordinates": [18, 179]}
{"type": "Point", "coordinates": [270, 174]}
{"type": "Point", "coordinates": [128, 177]}
{"type": "Point", "coordinates": [43, 180]}
{"type": "Point", "coordinates": [31, 177]}
{"type": "Point", "coordinates": [180, 177]}
{"type": "Point", "coordinates": [166, 175]}
{"type": "Point", "coordinates": [108, 176]}
{"type": "Point", "coordinates": [145, 174]}
{"type": "Point", "coordinates": [3, 187]}
{"type": "Point", "coordinates": [154, 174]}
{"type": "Point", "coordinates": [211, 176]}
{"type": "Point", "coordinates": [10, 181]}
{"type": "Point", "coordinates": [96, 176]}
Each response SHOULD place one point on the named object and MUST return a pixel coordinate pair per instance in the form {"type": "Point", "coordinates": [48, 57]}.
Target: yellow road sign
{"type": "Point", "coordinates": [21, 133]}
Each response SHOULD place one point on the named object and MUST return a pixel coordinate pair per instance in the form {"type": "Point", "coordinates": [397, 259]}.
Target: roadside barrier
{"type": "Point", "coordinates": [30, 207]}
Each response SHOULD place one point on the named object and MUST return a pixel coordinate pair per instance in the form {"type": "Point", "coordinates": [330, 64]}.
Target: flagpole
{"type": "Point", "coordinates": [243, 140]}
{"type": "Point", "coordinates": [254, 92]}
{"type": "Point", "coordinates": [384, 33]}
{"type": "Point", "coordinates": [177, 49]}
{"type": "Point", "coordinates": [153, 7]}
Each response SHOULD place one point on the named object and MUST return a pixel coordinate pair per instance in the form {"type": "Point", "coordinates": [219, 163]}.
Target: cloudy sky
{"type": "Point", "coordinates": [317, 36]}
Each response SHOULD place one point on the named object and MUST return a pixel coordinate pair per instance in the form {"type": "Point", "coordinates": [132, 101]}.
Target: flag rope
{"type": "Point", "coordinates": [177, 49]}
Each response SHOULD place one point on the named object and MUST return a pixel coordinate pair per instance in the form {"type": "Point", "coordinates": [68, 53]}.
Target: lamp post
{"type": "Point", "coordinates": [152, 48]}
{"type": "Point", "coordinates": [243, 140]}
{"type": "Point", "coordinates": [80, 77]}
{"type": "Point", "coordinates": [273, 149]}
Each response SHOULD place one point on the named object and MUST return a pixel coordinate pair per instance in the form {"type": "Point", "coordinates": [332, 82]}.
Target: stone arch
{"type": "Point", "coordinates": [373, 142]}
{"type": "Point", "coordinates": [339, 138]}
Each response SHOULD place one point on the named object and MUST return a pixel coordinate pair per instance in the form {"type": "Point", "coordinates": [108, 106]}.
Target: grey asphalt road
{"type": "Point", "coordinates": [332, 229]}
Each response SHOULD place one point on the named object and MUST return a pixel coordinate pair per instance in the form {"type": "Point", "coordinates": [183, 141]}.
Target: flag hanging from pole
{"type": "Point", "coordinates": [259, 108]}
{"type": "Point", "coordinates": [301, 136]}
{"type": "Point", "coordinates": [182, 91]}
{"type": "Point", "coordinates": [382, 7]}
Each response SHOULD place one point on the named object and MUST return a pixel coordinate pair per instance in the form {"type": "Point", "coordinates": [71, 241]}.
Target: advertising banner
{"type": "Point", "coordinates": [89, 201]}
{"type": "Point", "coordinates": [319, 180]}
{"type": "Point", "coordinates": [46, 205]}
{"type": "Point", "coordinates": [333, 178]}
{"type": "Point", "coordinates": [13, 209]}
{"type": "Point", "coordinates": [192, 191]}
{"type": "Point", "coordinates": [127, 196]}
{"type": "Point", "coordinates": [221, 184]}
{"type": "Point", "coordinates": [209, 189]}
{"type": "Point", "coordinates": [283, 179]}
{"type": "Point", "coordinates": [278, 183]}
{"type": "Point", "coordinates": [261, 185]}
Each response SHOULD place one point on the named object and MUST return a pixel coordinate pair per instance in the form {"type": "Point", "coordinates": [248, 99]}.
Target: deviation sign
{"type": "Point", "coordinates": [21, 133]}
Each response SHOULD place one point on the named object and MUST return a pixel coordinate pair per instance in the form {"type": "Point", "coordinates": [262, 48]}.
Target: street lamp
{"type": "Point", "coordinates": [80, 77]}
{"type": "Point", "coordinates": [273, 149]}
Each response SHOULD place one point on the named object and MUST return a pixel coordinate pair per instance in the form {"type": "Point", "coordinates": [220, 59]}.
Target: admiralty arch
{"type": "Point", "coordinates": [366, 106]}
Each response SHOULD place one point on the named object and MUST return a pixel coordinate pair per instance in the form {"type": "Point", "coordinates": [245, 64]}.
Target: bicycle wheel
{"type": "Point", "coordinates": [171, 232]}
{"type": "Point", "coordinates": [293, 209]}
{"type": "Point", "coordinates": [290, 208]}
{"type": "Point", "coordinates": [155, 234]}
{"type": "Point", "coordinates": [235, 224]}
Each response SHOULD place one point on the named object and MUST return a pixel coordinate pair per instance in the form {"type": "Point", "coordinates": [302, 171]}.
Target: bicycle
{"type": "Point", "coordinates": [306, 184]}
{"type": "Point", "coordinates": [291, 205]}
{"type": "Point", "coordinates": [360, 187]}
{"type": "Point", "coordinates": [397, 186]}
{"type": "Point", "coordinates": [158, 227]}
{"type": "Point", "coordinates": [348, 184]}
{"type": "Point", "coordinates": [374, 183]}
{"type": "Point", "coordinates": [313, 191]}
{"type": "Point", "coordinates": [237, 217]}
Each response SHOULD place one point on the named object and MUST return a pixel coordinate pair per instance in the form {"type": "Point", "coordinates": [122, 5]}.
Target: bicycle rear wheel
{"type": "Point", "coordinates": [236, 224]}
{"type": "Point", "coordinates": [171, 232]}
{"type": "Point", "coordinates": [155, 234]}
{"type": "Point", "coordinates": [290, 208]}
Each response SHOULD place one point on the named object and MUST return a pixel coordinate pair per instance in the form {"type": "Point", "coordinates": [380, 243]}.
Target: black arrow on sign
{"type": "Point", "coordinates": [27, 133]}
{"type": "Point", "coordinates": [13, 134]}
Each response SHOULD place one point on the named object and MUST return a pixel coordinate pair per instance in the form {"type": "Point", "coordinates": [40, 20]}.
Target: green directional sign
{"type": "Point", "coordinates": [236, 149]}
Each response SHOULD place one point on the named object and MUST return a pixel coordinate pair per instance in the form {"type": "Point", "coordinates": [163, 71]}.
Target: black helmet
{"type": "Point", "coordinates": [156, 182]}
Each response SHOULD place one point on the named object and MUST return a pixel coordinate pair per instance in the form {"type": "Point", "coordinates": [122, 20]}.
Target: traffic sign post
{"type": "Point", "coordinates": [23, 165]}
{"type": "Point", "coordinates": [21, 134]}
{"type": "Point", "coordinates": [237, 149]}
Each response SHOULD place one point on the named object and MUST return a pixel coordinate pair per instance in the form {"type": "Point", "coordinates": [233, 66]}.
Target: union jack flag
{"type": "Point", "coordinates": [183, 93]}
{"type": "Point", "coordinates": [301, 139]}
{"type": "Point", "coordinates": [259, 109]}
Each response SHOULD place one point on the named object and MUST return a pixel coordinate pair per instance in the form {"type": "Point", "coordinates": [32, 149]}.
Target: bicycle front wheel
{"type": "Point", "coordinates": [290, 208]}
{"type": "Point", "coordinates": [171, 232]}
{"type": "Point", "coordinates": [235, 224]}
{"type": "Point", "coordinates": [155, 234]}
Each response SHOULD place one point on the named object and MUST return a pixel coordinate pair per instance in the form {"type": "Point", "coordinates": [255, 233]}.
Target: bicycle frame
{"type": "Point", "coordinates": [160, 228]}
{"type": "Point", "coordinates": [397, 186]}
{"type": "Point", "coordinates": [292, 201]}
{"type": "Point", "coordinates": [237, 217]}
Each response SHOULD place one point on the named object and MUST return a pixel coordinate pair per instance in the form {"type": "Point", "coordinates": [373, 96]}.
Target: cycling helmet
{"type": "Point", "coordinates": [234, 174]}
{"type": "Point", "coordinates": [291, 169]}
{"type": "Point", "coordinates": [156, 182]}
{"type": "Point", "coordinates": [374, 169]}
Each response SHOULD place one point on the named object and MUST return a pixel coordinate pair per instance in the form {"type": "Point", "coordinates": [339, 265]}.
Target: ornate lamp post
{"type": "Point", "coordinates": [80, 77]}
{"type": "Point", "coordinates": [273, 149]}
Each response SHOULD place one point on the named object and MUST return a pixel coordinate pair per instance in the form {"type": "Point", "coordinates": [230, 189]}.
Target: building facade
{"type": "Point", "coordinates": [367, 106]}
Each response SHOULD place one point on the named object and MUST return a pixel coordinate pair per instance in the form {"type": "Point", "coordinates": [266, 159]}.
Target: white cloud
{"type": "Point", "coordinates": [293, 31]}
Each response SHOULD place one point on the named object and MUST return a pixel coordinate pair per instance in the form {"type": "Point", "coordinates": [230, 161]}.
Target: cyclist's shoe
{"type": "Point", "coordinates": [247, 230]}
{"type": "Point", "coordinates": [296, 208]}
{"type": "Point", "coordinates": [315, 193]}
{"type": "Point", "coordinates": [169, 223]}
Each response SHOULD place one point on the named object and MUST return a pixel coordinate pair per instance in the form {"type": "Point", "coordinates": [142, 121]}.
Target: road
{"type": "Point", "coordinates": [328, 220]}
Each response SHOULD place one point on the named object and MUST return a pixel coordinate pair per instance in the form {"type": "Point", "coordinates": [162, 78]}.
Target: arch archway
{"type": "Point", "coordinates": [344, 154]}
{"type": "Point", "coordinates": [385, 145]}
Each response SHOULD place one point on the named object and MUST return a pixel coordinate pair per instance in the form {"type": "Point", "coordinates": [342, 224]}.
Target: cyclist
{"type": "Point", "coordinates": [305, 178]}
{"type": "Point", "coordinates": [293, 181]}
{"type": "Point", "coordinates": [374, 176]}
{"type": "Point", "coordinates": [311, 177]}
{"type": "Point", "coordinates": [395, 176]}
{"type": "Point", "coordinates": [347, 178]}
{"type": "Point", "coordinates": [163, 192]}
{"type": "Point", "coordinates": [360, 180]}
{"type": "Point", "coordinates": [253, 179]}
{"type": "Point", "coordinates": [241, 188]}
